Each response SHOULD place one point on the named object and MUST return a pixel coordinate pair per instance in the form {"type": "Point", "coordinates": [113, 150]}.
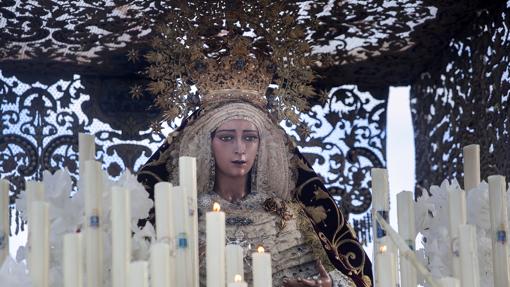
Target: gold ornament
{"type": "Point", "coordinates": [208, 53]}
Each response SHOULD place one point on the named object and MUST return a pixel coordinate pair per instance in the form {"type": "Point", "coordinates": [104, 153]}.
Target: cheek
{"type": "Point", "coordinates": [252, 150]}
{"type": "Point", "coordinates": [220, 151]}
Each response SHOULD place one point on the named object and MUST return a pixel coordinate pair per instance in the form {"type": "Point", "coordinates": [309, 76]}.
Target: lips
{"type": "Point", "coordinates": [239, 162]}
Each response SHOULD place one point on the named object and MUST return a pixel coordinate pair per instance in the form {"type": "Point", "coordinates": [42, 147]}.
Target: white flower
{"type": "Point", "coordinates": [432, 219]}
{"type": "Point", "coordinates": [14, 274]}
{"type": "Point", "coordinates": [21, 253]}
{"type": "Point", "coordinates": [478, 206]}
{"type": "Point", "coordinates": [21, 205]}
{"type": "Point", "coordinates": [140, 201]}
{"type": "Point", "coordinates": [142, 240]}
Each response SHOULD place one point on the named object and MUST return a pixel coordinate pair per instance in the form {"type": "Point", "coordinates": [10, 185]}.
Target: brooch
{"type": "Point", "coordinates": [278, 207]}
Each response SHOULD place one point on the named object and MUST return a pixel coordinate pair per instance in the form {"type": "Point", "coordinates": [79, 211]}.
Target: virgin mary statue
{"type": "Point", "coordinates": [245, 161]}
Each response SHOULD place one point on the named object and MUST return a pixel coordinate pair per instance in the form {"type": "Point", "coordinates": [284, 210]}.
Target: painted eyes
{"type": "Point", "coordinates": [251, 138]}
{"type": "Point", "coordinates": [226, 138]}
{"type": "Point", "coordinates": [248, 138]}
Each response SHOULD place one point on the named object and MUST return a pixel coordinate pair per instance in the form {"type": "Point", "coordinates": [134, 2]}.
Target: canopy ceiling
{"type": "Point", "coordinates": [375, 43]}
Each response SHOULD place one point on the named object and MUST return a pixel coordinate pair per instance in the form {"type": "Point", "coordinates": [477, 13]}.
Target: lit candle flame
{"type": "Point", "coordinates": [383, 248]}
{"type": "Point", "coordinates": [238, 278]}
{"type": "Point", "coordinates": [216, 207]}
{"type": "Point", "coordinates": [260, 249]}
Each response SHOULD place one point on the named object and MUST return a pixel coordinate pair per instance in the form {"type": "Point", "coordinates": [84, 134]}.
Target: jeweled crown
{"type": "Point", "coordinates": [204, 54]}
{"type": "Point", "coordinates": [238, 74]}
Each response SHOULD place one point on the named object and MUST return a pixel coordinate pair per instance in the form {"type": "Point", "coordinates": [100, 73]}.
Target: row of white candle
{"type": "Point", "coordinates": [464, 258]}
{"type": "Point", "coordinates": [160, 253]}
{"type": "Point", "coordinates": [176, 220]}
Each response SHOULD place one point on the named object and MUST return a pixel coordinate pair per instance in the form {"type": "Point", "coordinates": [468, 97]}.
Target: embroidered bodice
{"type": "Point", "coordinates": [288, 238]}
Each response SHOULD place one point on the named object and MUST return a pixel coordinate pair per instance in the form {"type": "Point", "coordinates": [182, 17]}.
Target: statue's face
{"type": "Point", "coordinates": [234, 145]}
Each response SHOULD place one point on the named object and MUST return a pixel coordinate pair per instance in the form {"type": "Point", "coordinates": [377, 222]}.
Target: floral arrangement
{"type": "Point", "coordinates": [66, 215]}
{"type": "Point", "coordinates": [431, 219]}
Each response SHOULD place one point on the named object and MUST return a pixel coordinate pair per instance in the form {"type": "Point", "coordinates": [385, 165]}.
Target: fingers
{"type": "Point", "coordinates": [322, 271]}
{"type": "Point", "coordinates": [325, 280]}
{"type": "Point", "coordinates": [299, 282]}
{"type": "Point", "coordinates": [308, 282]}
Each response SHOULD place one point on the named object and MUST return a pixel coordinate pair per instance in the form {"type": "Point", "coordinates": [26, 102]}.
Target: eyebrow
{"type": "Point", "coordinates": [233, 130]}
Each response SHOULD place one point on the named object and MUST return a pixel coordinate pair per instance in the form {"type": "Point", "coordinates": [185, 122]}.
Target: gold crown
{"type": "Point", "coordinates": [235, 75]}
{"type": "Point", "coordinates": [231, 54]}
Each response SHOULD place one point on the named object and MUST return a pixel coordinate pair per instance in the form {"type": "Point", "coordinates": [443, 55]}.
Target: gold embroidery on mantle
{"type": "Point", "coordinates": [321, 194]}
{"type": "Point", "coordinates": [317, 213]}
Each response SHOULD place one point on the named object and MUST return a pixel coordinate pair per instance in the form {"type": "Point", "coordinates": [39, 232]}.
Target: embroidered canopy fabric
{"type": "Point", "coordinates": [374, 42]}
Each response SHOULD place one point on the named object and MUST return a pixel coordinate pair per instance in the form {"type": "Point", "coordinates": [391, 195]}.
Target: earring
{"type": "Point", "coordinates": [253, 175]}
{"type": "Point", "coordinates": [212, 175]}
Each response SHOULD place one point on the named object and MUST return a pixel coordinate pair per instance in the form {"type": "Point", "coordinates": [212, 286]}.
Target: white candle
{"type": "Point", "coordinates": [165, 231]}
{"type": "Point", "coordinates": [380, 189]}
{"type": "Point", "coordinates": [179, 204]}
{"type": "Point", "coordinates": [391, 247]}
{"type": "Point", "coordinates": [238, 282]}
{"type": "Point", "coordinates": [93, 189]}
{"type": "Point", "coordinates": [471, 166]}
{"type": "Point", "coordinates": [215, 247]}
{"type": "Point", "coordinates": [380, 205]}
{"type": "Point", "coordinates": [72, 267]}
{"type": "Point", "coordinates": [86, 147]}
{"type": "Point", "coordinates": [138, 274]}
{"type": "Point", "coordinates": [40, 244]}
{"type": "Point", "coordinates": [4, 220]}
{"type": "Point", "coordinates": [499, 230]}
{"type": "Point", "coordinates": [380, 200]}
{"type": "Point", "coordinates": [86, 151]}
{"type": "Point", "coordinates": [262, 272]}
{"type": "Point", "coordinates": [468, 256]}
{"type": "Point", "coordinates": [34, 192]}
{"type": "Point", "coordinates": [449, 282]}
{"type": "Point", "coordinates": [121, 235]}
{"type": "Point", "coordinates": [234, 262]}
{"type": "Point", "coordinates": [163, 205]}
{"type": "Point", "coordinates": [188, 180]}
{"type": "Point", "coordinates": [160, 265]}
{"type": "Point", "coordinates": [406, 228]}
{"type": "Point", "coordinates": [457, 211]}
{"type": "Point", "coordinates": [386, 275]}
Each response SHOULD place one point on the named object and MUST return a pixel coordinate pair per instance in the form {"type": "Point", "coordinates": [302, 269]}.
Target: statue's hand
{"type": "Point", "coordinates": [323, 281]}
